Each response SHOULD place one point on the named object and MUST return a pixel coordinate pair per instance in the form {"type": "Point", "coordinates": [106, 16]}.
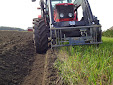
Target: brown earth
{"type": "Point", "coordinates": [20, 65]}
{"type": "Point", "coordinates": [50, 72]}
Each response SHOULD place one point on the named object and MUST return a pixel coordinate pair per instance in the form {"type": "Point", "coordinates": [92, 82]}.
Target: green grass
{"type": "Point", "coordinates": [87, 65]}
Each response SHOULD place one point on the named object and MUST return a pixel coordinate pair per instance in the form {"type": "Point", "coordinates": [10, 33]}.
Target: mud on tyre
{"type": "Point", "coordinates": [40, 35]}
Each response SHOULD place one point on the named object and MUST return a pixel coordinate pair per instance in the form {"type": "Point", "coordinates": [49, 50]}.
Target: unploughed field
{"type": "Point", "coordinates": [74, 65]}
{"type": "Point", "coordinates": [87, 65]}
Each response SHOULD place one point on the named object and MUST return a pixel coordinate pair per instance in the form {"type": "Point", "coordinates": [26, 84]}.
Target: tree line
{"type": "Point", "coordinates": [11, 28]}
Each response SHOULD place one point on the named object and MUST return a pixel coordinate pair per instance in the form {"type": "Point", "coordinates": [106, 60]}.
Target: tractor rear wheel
{"type": "Point", "coordinates": [40, 35]}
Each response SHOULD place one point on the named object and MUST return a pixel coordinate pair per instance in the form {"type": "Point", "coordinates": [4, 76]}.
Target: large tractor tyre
{"type": "Point", "coordinates": [40, 35]}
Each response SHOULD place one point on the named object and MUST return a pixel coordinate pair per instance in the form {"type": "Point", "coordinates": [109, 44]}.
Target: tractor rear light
{"type": "Point", "coordinates": [61, 15]}
{"type": "Point", "coordinates": [70, 15]}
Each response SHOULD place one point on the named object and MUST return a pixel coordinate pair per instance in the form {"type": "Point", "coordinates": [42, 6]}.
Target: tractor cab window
{"type": "Point", "coordinates": [54, 2]}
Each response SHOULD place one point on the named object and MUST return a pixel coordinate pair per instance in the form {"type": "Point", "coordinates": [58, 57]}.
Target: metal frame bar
{"type": "Point", "coordinates": [80, 40]}
{"type": "Point", "coordinates": [61, 28]}
{"type": "Point", "coordinates": [77, 44]}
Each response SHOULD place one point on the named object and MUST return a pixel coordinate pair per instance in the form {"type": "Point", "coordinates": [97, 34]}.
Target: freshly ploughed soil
{"type": "Point", "coordinates": [20, 65]}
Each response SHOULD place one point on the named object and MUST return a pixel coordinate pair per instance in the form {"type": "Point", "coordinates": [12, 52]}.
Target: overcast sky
{"type": "Point", "coordinates": [19, 13]}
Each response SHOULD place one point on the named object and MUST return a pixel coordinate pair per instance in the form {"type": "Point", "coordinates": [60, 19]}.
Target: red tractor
{"type": "Point", "coordinates": [58, 25]}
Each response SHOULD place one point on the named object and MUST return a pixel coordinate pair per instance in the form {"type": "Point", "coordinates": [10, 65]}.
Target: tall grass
{"type": "Point", "coordinates": [87, 65]}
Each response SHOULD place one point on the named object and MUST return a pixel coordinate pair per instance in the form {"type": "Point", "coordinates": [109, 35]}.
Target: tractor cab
{"type": "Point", "coordinates": [63, 10]}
